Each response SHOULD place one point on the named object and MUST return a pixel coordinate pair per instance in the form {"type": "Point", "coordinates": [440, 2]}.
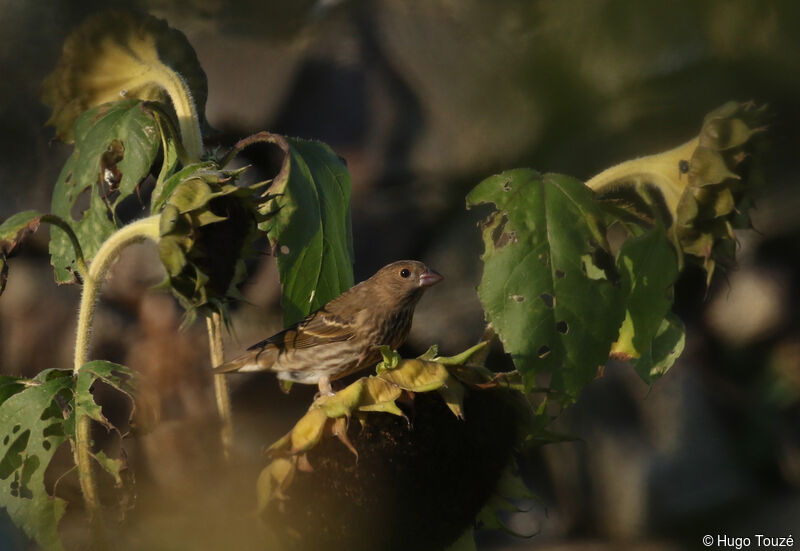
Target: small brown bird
{"type": "Point", "coordinates": [343, 336]}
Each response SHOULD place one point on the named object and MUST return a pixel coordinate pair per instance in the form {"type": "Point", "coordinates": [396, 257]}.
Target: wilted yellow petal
{"type": "Point", "coordinates": [453, 395]}
{"type": "Point", "coordinates": [343, 402]}
{"type": "Point", "coordinates": [273, 480]}
{"type": "Point", "coordinates": [416, 375]}
{"type": "Point", "coordinates": [308, 430]}
{"type": "Point", "coordinates": [380, 395]}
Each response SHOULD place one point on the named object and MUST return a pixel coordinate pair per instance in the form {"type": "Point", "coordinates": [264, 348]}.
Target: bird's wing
{"type": "Point", "coordinates": [321, 327]}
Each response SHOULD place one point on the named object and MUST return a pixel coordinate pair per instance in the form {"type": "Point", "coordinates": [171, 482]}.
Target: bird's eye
{"type": "Point", "coordinates": [405, 272]}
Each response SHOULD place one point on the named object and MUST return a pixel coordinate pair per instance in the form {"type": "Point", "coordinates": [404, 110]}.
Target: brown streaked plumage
{"type": "Point", "coordinates": [343, 336]}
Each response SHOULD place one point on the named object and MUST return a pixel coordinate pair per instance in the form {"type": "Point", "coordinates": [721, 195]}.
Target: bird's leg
{"type": "Point", "coordinates": [324, 385]}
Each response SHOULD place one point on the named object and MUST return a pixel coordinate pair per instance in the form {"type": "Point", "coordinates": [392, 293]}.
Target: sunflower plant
{"type": "Point", "coordinates": [129, 95]}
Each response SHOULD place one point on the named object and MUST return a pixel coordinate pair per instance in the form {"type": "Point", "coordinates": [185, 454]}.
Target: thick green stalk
{"type": "Point", "coordinates": [109, 251]}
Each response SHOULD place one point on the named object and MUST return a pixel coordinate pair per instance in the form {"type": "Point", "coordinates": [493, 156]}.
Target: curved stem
{"type": "Point", "coordinates": [109, 251]}
{"type": "Point", "coordinates": [214, 324]}
{"type": "Point", "coordinates": [185, 108]}
{"type": "Point", "coordinates": [662, 170]}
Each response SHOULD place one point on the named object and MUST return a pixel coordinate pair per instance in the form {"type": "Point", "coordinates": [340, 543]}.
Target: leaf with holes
{"type": "Point", "coordinates": [116, 376]}
{"type": "Point", "coordinates": [115, 146]}
{"type": "Point", "coordinates": [549, 286]}
{"type": "Point", "coordinates": [31, 428]}
{"type": "Point", "coordinates": [310, 226]}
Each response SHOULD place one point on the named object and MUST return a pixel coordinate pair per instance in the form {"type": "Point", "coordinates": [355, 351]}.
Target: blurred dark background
{"type": "Point", "coordinates": [424, 99]}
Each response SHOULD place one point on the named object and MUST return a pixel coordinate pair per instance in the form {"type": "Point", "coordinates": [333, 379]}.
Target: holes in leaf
{"type": "Point", "coordinates": [6, 439]}
{"type": "Point", "coordinates": [46, 444]}
{"type": "Point", "coordinates": [562, 327]}
{"type": "Point", "coordinates": [110, 176]}
{"type": "Point", "coordinates": [15, 430]}
{"type": "Point", "coordinates": [28, 468]}
{"type": "Point", "coordinates": [505, 239]}
{"type": "Point", "coordinates": [500, 237]}
{"type": "Point", "coordinates": [507, 185]}
{"type": "Point", "coordinates": [13, 457]}
{"type": "Point", "coordinates": [56, 429]}
{"type": "Point", "coordinates": [518, 298]}
{"type": "Point", "coordinates": [560, 274]}
{"type": "Point", "coordinates": [543, 351]}
{"type": "Point", "coordinates": [81, 204]}
{"type": "Point", "coordinates": [548, 299]}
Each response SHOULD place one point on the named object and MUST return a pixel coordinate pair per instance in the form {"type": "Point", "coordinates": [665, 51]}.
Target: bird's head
{"type": "Point", "coordinates": [406, 278]}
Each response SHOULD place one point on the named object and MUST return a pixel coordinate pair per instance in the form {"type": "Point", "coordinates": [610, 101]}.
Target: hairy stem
{"type": "Point", "coordinates": [109, 251]}
{"type": "Point", "coordinates": [185, 108]}
{"type": "Point", "coordinates": [214, 324]}
{"type": "Point", "coordinates": [662, 170]}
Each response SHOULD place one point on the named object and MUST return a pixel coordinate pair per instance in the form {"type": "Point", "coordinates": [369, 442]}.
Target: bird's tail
{"type": "Point", "coordinates": [243, 363]}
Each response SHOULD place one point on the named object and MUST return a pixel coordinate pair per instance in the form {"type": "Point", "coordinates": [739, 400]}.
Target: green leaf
{"type": "Point", "coordinates": [171, 150]}
{"type": "Point", "coordinates": [118, 377]}
{"type": "Point", "coordinates": [164, 190]}
{"type": "Point", "coordinates": [10, 386]}
{"type": "Point", "coordinates": [547, 284]}
{"type": "Point", "coordinates": [666, 347]}
{"type": "Point", "coordinates": [12, 232]}
{"type": "Point", "coordinates": [31, 428]}
{"type": "Point", "coordinates": [16, 228]}
{"type": "Point", "coordinates": [115, 146]}
{"type": "Point", "coordinates": [648, 265]}
{"type": "Point", "coordinates": [311, 228]}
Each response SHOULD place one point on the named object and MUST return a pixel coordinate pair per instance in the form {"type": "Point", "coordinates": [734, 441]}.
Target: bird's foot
{"type": "Point", "coordinates": [325, 388]}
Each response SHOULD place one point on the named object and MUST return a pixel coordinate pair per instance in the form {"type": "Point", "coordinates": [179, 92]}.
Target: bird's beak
{"type": "Point", "coordinates": [429, 277]}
